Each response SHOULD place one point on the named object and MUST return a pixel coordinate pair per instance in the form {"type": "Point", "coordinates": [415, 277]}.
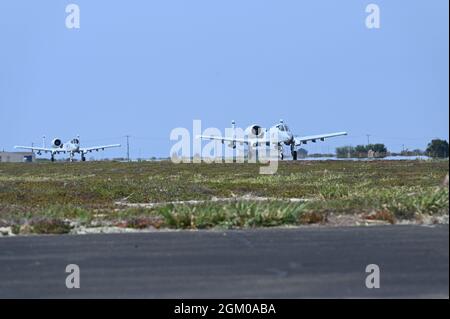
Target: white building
{"type": "Point", "coordinates": [17, 157]}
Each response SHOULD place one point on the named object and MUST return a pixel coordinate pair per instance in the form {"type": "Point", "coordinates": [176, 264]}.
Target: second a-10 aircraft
{"type": "Point", "coordinates": [256, 136]}
{"type": "Point", "coordinates": [71, 147]}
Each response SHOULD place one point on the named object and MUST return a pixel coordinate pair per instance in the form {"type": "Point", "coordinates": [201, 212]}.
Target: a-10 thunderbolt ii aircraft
{"type": "Point", "coordinates": [71, 147]}
{"type": "Point", "coordinates": [256, 136]}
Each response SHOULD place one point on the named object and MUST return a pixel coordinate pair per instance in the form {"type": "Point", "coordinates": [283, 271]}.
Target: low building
{"type": "Point", "coordinates": [17, 157]}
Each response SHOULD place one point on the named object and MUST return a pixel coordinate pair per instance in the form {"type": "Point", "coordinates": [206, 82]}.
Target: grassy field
{"type": "Point", "coordinates": [46, 197]}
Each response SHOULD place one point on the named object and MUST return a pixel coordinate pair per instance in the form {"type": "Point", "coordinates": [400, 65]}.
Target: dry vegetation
{"type": "Point", "coordinates": [47, 197]}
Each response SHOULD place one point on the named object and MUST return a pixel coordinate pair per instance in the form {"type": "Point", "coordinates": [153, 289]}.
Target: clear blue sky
{"type": "Point", "coordinates": [145, 67]}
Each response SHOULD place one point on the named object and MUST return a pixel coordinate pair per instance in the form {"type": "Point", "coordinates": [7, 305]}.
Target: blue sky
{"type": "Point", "coordinates": [145, 67]}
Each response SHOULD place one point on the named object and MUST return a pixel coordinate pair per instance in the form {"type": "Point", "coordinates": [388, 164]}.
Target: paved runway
{"type": "Point", "coordinates": [261, 263]}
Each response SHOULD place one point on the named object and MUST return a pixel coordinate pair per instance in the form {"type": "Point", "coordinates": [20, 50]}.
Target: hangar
{"type": "Point", "coordinates": [17, 157]}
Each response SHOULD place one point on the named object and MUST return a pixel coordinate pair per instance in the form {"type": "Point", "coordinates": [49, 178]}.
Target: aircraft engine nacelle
{"type": "Point", "coordinates": [255, 131]}
{"type": "Point", "coordinates": [57, 143]}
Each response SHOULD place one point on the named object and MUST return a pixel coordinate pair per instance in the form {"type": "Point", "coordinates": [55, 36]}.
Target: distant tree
{"type": "Point", "coordinates": [438, 148]}
{"type": "Point", "coordinates": [415, 152]}
{"type": "Point", "coordinates": [316, 155]}
{"type": "Point", "coordinates": [361, 151]}
{"type": "Point", "coordinates": [345, 151]}
{"type": "Point", "coordinates": [378, 148]}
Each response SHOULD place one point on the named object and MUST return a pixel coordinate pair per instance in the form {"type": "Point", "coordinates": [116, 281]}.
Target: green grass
{"type": "Point", "coordinates": [45, 196]}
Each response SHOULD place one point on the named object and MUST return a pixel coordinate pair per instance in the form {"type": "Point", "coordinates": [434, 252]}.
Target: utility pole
{"type": "Point", "coordinates": [368, 139]}
{"type": "Point", "coordinates": [43, 141]}
{"type": "Point", "coordinates": [233, 126]}
{"type": "Point", "coordinates": [128, 147]}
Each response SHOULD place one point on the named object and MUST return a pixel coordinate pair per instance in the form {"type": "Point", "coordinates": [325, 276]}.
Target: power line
{"type": "Point", "coordinates": [103, 139]}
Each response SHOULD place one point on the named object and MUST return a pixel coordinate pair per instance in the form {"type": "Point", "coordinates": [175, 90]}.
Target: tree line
{"type": "Point", "coordinates": [437, 148]}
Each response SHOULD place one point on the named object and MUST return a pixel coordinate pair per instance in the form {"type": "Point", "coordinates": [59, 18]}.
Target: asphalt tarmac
{"type": "Point", "coordinates": [305, 262]}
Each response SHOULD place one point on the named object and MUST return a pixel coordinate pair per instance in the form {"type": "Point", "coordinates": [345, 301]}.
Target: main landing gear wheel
{"type": "Point", "coordinates": [293, 152]}
{"type": "Point", "coordinates": [294, 155]}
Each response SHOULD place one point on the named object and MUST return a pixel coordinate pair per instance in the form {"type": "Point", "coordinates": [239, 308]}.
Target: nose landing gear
{"type": "Point", "coordinates": [293, 152]}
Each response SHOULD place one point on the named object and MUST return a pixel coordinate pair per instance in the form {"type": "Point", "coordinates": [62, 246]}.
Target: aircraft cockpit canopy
{"type": "Point", "coordinates": [283, 128]}
{"type": "Point", "coordinates": [75, 141]}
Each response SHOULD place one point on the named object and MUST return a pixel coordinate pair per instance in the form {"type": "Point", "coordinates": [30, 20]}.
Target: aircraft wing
{"type": "Point", "coordinates": [97, 148]}
{"type": "Point", "coordinates": [42, 149]}
{"type": "Point", "coordinates": [313, 138]}
{"type": "Point", "coordinates": [223, 139]}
